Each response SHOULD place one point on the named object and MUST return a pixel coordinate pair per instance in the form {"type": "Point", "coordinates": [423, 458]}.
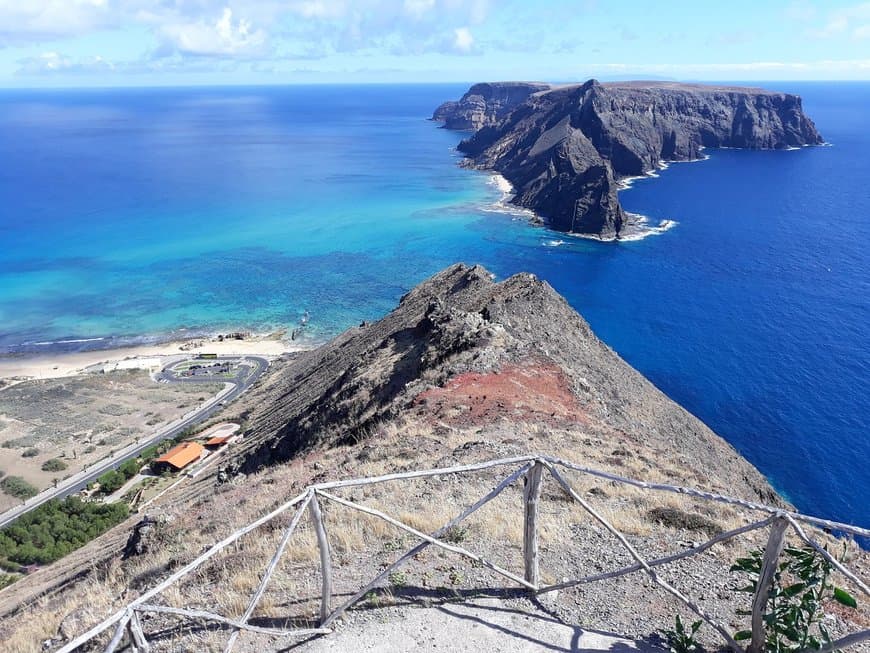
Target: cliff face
{"type": "Point", "coordinates": [485, 104]}
{"type": "Point", "coordinates": [565, 150]}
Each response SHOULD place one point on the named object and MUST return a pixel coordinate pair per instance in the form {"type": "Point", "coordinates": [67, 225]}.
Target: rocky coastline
{"type": "Point", "coordinates": [567, 150]}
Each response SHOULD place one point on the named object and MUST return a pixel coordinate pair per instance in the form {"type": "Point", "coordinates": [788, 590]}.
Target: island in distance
{"type": "Point", "coordinates": [565, 149]}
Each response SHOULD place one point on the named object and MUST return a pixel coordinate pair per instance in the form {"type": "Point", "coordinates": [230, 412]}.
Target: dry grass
{"type": "Point", "coordinates": [362, 544]}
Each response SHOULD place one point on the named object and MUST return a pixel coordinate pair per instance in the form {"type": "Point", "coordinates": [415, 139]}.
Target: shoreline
{"type": "Point", "coordinates": [27, 366]}
{"type": "Point", "coordinates": [637, 229]}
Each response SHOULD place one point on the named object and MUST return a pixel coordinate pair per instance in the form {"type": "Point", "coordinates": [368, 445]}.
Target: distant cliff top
{"type": "Point", "coordinates": [564, 148]}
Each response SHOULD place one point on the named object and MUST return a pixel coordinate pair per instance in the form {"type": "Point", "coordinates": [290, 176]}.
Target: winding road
{"type": "Point", "coordinates": [251, 368]}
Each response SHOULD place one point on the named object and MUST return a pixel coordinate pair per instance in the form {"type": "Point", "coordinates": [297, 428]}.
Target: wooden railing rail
{"type": "Point", "coordinates": [127, 623]}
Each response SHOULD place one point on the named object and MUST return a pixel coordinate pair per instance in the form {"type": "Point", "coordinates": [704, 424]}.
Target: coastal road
{"type": "Point", "coordinates": [251, 368]}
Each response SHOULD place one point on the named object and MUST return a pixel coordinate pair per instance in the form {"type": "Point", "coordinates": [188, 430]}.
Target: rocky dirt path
{"type": "Point", "coordinates": [491, 625]}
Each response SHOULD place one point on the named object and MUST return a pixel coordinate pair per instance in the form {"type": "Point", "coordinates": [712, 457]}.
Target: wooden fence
{"type": "Point", "coordinates": [530, 469]}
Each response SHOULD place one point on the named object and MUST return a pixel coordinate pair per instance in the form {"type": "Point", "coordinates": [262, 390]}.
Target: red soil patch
{"type": "Point", "coordinates": [532, 392]}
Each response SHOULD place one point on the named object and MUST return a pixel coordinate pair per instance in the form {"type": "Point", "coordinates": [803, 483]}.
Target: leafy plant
{"type": "Point", "coordinates": [793, 613]}
{"type": "Point", "coordinates": [398, 578]}
{"type": "Point", "coordinates": [456, 534]}
{"type": "Point", "coordinates": [17, 487]}
{"type": "Point", "coordinates": [681, 640]}
{"type": "Point", "coordinates": [54, 465]}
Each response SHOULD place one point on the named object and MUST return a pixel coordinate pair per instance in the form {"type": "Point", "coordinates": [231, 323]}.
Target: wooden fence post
{"type": "Point", "coordinates": [325, 557]}
{"type": "Point", "coordinates": [531, 497]}
{"type": "Point", "coordinates": [137, 635]}
{"type": "Point", "coordinates": [775, 545]}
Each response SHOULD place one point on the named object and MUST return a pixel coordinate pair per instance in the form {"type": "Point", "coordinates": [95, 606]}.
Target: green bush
{"type": "Point", "coordinates": [17, 487]}
{"type": "Point", "coordinates": [7, 579]}
{"type": "Point", "coordinates": [794, 612]}
{"type": "Point", "coordinates": [130, 468]}
{"type": "Point", "coordinates": [30, 452]}
{"type": "Point", "coordinates": [54, 465]}
{"type": "Point", "coordinates": [111, 481]}
{"type": "Point", "coordinates": [57, 527]}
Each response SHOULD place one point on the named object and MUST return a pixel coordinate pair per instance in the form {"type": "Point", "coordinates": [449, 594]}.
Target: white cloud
{"type": "Point", "coordinates": [320, 9]}
{"type": "Point", "coordinates": [27, 20]}
{"type": "Point", "coordinates": [463, 40]}
{"type": "Point", "coordinates": [222, 37]}
{"type": "Point", "coordinates": [418, 8]}
{"type": "Point", "coordinates": [53, 62]}
{"type": "Point", "coordinates": [848, 21]}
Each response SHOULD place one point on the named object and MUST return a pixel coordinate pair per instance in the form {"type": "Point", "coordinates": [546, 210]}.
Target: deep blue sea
{"type": "Point", "coordinates": [132, 215]}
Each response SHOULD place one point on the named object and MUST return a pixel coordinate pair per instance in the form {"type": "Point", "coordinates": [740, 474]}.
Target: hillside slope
{"type": "Point", "coordinates": [460, 322]}
{"type": "Point", "coordinates": [463, 370]}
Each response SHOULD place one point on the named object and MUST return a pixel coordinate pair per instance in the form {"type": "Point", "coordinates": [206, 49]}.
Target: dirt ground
{"type": "Point", "coordinates": [83, 419]}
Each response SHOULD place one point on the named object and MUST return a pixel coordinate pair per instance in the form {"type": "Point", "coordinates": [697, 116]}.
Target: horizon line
{"type": "Point", "coordinates": [604, 78]}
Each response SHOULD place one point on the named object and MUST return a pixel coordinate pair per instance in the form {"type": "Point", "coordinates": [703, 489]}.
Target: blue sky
{"type": "Point", "coordinates": [157, 42]}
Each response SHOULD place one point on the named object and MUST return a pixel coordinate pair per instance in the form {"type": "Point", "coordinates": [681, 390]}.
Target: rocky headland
{"type": "Point", "coordinates": [565, 149]}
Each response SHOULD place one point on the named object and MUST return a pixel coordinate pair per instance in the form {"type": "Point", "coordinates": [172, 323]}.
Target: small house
{"type": "Point", "coordinates": [218, 441]}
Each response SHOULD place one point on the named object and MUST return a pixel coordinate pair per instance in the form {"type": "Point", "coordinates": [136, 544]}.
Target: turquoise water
{"type": "Point", "coordinates": [148, 214]}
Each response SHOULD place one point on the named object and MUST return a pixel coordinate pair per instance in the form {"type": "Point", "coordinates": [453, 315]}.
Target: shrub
{"type": "Point", "coordinates": [30, 452]}
{"type": "Point", "coordinates": [54, 465]}
{"type": "Point", "coordinates": [111, 481]}
{"type": "Point", "coordinates": [130, 468]}
{"type": "Point", "coordinates": [681, 640]}
{"type": "Point", "coordinates": [456, 534]}
{"type": "Point", "coordinates": [793, 613]}
{"type": "Point", "coordinates": [690, 521]}
{"type": "Point", "coordinates": [7, 579]}
{"type": "Point", "coordinates": [17, 487]}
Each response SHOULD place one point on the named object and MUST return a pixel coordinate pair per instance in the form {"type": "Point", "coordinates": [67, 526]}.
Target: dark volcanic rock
{"type": "Point", "coordinates": [564, 150]}
{"type": "Point", "coordinates": [461, 322]}
{"type": "Point", "coordinates": [485, 104]}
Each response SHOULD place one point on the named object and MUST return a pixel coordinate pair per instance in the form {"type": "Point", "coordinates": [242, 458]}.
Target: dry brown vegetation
{"type": "Point", "coordinates": [83, 419]}
{"type": "Point", "coordinates": [572, 543]}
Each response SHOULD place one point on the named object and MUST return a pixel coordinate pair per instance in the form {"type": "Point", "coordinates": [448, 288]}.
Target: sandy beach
{"type": "Point", "coordinates": [68, 364]}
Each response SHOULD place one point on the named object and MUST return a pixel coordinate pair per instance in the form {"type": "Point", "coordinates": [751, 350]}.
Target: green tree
{"type": "Point", "coordinates": [111, 481]}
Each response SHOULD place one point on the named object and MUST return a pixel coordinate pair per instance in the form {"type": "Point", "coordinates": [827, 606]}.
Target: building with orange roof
{"type": "Point", "coordinates": [219, 440]}
{"type": "Point", "coordinates": [180, 456]}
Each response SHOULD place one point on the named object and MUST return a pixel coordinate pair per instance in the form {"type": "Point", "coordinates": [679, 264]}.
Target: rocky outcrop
{"type": "Point", "coordinates": [454, 332]}
{"type": "Point", "coordinates": [485, 104]}
{"type": "Point", "coordinates": [565, 150]}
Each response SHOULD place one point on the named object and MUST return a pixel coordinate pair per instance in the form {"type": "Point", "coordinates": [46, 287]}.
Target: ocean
{"type": "Point", "coordinates": [142, 215]}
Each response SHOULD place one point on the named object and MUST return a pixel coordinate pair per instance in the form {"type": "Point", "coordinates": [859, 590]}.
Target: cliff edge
{"type": "Point", "coordinates": [565, 149]}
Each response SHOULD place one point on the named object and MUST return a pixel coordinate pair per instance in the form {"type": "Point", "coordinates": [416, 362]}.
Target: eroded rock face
{"type": "Point", "coordinates": [485, 104]}
{"type": "Point", "coordinates": [511, 350]}
{"type": "Point", "coordinates": [565, 150]}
